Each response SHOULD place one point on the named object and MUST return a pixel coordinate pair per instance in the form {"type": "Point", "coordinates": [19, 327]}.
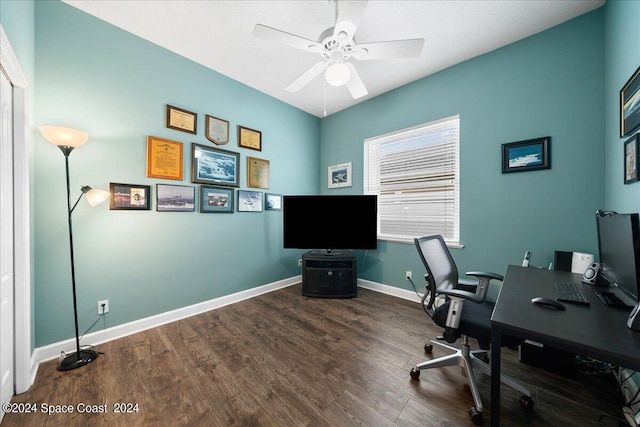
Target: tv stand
{"type": "Point", "coordinates": [329, 274]}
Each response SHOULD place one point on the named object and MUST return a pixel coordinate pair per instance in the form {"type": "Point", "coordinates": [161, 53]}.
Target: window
{"type": "Point", "coordinates": [415, 174]}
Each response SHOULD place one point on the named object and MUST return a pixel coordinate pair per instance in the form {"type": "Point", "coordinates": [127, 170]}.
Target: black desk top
{"type": "Point", "coordinates": [592, 330]}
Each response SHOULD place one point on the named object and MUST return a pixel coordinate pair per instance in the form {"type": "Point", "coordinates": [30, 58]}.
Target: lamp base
{"type": "Point", "coordinates": [74, 361]}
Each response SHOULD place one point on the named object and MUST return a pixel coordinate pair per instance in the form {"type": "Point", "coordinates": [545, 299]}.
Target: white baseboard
{"type": "Point", "coordinates": [52, 351]}
{"type": "Point", "coordinates": [389, 290]}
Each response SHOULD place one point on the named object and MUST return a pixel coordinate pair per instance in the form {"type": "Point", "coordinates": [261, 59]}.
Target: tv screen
{"type": "Point", "coordinates": [619, 246]}
{"type": "Point", "coordinates": [330, 222]}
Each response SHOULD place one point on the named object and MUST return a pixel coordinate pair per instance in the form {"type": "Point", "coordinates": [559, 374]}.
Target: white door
{"type": "Point", "coordinates": [6, 240]}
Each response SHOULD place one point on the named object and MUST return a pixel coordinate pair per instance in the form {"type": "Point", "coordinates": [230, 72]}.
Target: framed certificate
{"type": "Point", "coordinates": [249, 138]}
{"type": "Point", "coordinates": [181, 120]}
{"type": "Point", "coordinates": [164, 158]}
{"type": "Point", "coordinates": [217, 130]}
{"type": "Point", "coordinates": [257, 173]}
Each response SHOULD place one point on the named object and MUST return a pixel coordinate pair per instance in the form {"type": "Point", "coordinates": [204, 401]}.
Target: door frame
{"type": "Point", "coordinates": [24, 368]}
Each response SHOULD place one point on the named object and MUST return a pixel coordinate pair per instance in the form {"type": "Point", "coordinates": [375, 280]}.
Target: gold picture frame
{"type": "Point", "coordinates": [164, 158]}
{"type": "Point", "coordinates": [249, 138]}
{"type": "Point", "coordinates": [182, 120]}
{"type": "Point", "coordinates": [257, 172]}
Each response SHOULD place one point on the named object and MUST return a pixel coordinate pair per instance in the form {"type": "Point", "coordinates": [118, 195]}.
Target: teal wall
{"type": "Point", "coordinates": [622, 58]}
{"type": "Point", "coordinates": [549, 84]}
{"type": "Point", "coordinates": [114, 85]}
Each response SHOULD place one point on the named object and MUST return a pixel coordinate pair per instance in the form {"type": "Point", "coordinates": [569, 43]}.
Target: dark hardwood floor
{"type": "Point", "coordinates": [281, 359]}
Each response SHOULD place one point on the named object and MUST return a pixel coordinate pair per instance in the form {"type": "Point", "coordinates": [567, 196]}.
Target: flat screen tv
{"type": "Point", "coordinates": [619, 247]}
{"type": "Point", "coordinates": [330, 222]}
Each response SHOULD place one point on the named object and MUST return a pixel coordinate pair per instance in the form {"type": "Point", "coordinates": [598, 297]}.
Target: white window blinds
{"type": "Point", "coordinates": [414, 172]}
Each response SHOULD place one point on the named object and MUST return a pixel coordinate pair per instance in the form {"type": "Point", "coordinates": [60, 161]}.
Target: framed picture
{"type": "Point", "coordinates": [257, 173]}
{"type": "Point", "coordinates": [249, 201]}
{"type": "Point", "coordinates": [532, 154]}
{"type": "Point", "coordinates": [273, 202]}
{"type": "Point", "coordinates": [164, 158]}
{"type": "Point", "coordinates": [181, 120]}
{"type": "Point", "coordinates": [175, 198]}
{"type": "Point", "coordinates": [339, 175]}
{"type": "Point", "coordinates": [630, 105]}
{"type": "Point", "coordinates": [249, 138]}
{"type": "Point", "coordinates": [215, 166]}
{"type": "Point", "coordinates": [129, 197]}
{"type": "Point", "coordinates": [216, 199]}
{"type": "Point", "coordinates": [631, 159]}
{"type": "Point", "coordinates": [217, 130]}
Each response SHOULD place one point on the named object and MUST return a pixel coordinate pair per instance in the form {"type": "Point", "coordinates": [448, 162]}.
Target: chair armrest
{"type": "Point", "coordinates": [484, 279]}
{"type": "Point", "coordinates": [469, 296]}
{"type": "Point", "coordinates": [485, 275]}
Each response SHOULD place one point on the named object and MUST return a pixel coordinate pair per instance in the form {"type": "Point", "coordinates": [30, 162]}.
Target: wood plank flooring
{"type": "Point", "coordinates": [281, 359]}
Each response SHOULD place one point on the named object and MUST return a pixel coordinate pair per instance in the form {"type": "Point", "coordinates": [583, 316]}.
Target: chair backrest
{"type": "Point", "coordinates": [438, 261]}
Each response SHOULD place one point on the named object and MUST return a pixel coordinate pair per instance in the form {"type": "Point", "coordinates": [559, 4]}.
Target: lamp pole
{"type": "Point", "coordinates": [81, 357]}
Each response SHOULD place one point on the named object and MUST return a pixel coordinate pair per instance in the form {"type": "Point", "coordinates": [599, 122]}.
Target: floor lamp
{"type": "Point", "coordinates": [67, 139]}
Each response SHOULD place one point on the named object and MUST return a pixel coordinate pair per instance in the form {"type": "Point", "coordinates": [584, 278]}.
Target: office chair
{"type": "Point", "coordinates": [459, 319]}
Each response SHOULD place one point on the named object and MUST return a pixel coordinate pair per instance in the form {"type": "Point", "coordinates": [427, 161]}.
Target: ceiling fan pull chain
{"type": "Point", "coordinates": [325, 97]}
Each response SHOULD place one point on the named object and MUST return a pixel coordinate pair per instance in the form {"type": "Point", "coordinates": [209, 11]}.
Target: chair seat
{"type": "Point", "coordinates": [475, 322]}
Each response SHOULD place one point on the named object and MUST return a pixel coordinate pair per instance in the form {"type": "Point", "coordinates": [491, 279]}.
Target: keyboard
{"type": "Point", "coordinates": [570, 292]}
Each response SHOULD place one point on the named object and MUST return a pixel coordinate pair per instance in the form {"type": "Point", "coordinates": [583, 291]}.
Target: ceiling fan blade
{"type": "Point", "coordinates": [278, 36]}
{"type": "Point", "coordinates": [411, 48]}
{"type": "Point", "coordinates": [355, 85]}
{"type": "Point", "coordinates": [308, 75]}
{"type": "Point", "coordinates": [347, 19]}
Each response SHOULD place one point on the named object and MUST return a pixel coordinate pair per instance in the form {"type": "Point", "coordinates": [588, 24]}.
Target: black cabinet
{"type": "Point", "coordinates": [329, 275]}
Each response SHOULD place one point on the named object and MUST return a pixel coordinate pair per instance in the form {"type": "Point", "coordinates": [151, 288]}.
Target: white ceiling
{"type": "Point", "coordinates": [218, 35]}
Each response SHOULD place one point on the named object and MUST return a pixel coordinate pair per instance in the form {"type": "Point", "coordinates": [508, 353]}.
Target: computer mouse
{"type": "Point", "coordinates": [548, 303]}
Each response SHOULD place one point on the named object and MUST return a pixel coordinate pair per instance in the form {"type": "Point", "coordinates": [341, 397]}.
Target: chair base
{"type": "Point", "coordinates": [469, 360]}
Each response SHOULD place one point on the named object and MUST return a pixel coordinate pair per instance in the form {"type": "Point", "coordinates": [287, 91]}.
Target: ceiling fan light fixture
{"type": "Point", "coordinates": [337, 74]}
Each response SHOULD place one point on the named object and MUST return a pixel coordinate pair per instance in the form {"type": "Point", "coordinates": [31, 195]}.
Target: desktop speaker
{"type": "Point", "coordinates": [634, 318]}
{"type": "Point", "coordinates": [591, 274]}
{"type": "Point", "coordinates": [575, 262]}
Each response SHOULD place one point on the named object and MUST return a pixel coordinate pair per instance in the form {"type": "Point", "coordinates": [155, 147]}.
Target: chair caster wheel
{"type": "Point", "coordinates": [428, 348]}
{"type": "Point", "coordinates": [476, 416]}
{"type": "Point", "coordinates": [526, 402]}
{"type": "Point", "coordinates": [415, 374]}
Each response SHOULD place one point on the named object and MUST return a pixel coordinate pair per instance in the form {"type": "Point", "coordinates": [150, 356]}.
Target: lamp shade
{"type": "Point", "coordinates": [64, 137]}
{"type": "Point", "coordinates": [95, 196]}
{"type": "Point", "coordinates": [337, 74]}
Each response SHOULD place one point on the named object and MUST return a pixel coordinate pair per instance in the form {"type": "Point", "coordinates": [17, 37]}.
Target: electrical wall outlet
{"type": "Point", "coordinates": [299, 263]}
{"type": "Point", "coordinates": [408, 275]}
{"type": "Point", "coordinates": [103, 306]}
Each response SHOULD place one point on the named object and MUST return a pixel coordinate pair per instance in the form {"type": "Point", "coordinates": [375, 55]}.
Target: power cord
{"type": "Point", "coordinates": [85, 347]}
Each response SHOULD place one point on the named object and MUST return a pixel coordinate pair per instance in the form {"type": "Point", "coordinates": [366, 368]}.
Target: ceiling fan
{"type": "Point", "coordinates": [337, 45]}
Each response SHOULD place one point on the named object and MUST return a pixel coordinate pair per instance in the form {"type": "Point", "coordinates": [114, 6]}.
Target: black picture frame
{"type": "Point", "coordinates": [528, 155]}
{"type": "Point", "coordinates": [630, 105]}
{"type": "Point", "coordinates": [631, 163]}
{"type": "Point", "coordinates": [175, 198]}
{"type": "Point", "coordinates": [216, 199]}
{"type": "Point", "coordinates": [214, 166]}
{"type": "Point", "coordinates": [129, 197]}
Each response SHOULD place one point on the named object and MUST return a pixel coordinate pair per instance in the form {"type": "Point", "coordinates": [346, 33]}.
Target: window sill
{"type": "Point", "coordinates": [450, 245]}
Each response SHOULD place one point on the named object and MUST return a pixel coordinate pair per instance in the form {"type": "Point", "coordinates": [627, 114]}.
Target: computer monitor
{"type": "Point", "coordinates": [619, 246]}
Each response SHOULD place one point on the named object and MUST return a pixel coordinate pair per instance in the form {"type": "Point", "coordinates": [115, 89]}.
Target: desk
{"type": "Point", "coordinates": [595, 330]}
